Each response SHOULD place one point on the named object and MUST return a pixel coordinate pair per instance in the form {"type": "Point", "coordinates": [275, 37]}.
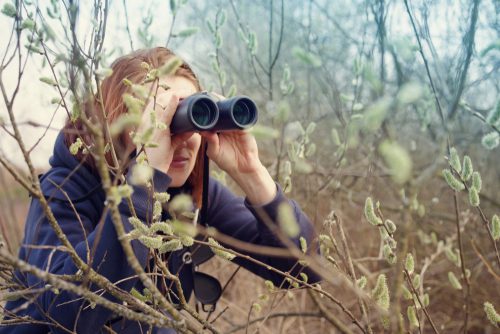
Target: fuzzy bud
{"type": "Point", "coordinates": [473, 197]}
{"type": "Point", "coordinates": [161, 227]}
{"type": "Point", "coordinates": [162, 197]}
{"type": "Point", "coordinates": [452, 181]}
{"type": "Point", "coordinates": [406, 293]}
{"type": "Point", "coordinates": [454, 160]}
{"type": "Point", "coordinates": [138, 224]}
{"type": "Point", "coordinates": [219, 250]}
{"type": "Point", "coordinates": [303, 244]}
{"type": "Point", "coordinates": [412, 316]}
{"type": "Point", "coordinates": [186, 240]}
{"type": "Point", "coordinates": [467, 168]}
{"type": "Point", "coordinates": [370, 213]}
{"type": "Point", "coordinates": [476, 181]}
{"type": "Point", "coordinates": [495, 227]}
{"type": "Point", "coordinates": [76, 146]}
{"type": "Point", "coordinates": [170, 246]}
{"type": "Point", "coordinates": [391, 227]}
{"type": "Point", "coordinates": [409, 263]}
{"type": "Point", "coordinates": [454, 281]}
{"type": "Point", "coordinates": [381, 292]}
{"type": "Point", "coordinates": [492, 314]}
{"type": "Point", "coordinates": [151, 242]}
{"type": "Point", "coordinates": [361, 282]}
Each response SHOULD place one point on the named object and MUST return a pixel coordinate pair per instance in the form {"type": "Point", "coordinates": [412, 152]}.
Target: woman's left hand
{"type": "Point", "coordinates": [236, 153]}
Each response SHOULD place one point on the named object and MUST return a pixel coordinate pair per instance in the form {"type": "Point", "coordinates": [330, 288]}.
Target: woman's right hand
{"type": "Point", "coordinates": [164, 107]}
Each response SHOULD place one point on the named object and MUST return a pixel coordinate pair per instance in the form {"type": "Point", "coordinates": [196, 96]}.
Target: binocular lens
{"type": "Point", "coordinates": [242, 114]}
{"type": "Point", "coordinates": [203, 113]}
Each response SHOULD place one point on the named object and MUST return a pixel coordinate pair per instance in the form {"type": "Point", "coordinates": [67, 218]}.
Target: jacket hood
{"type": "Point", "coordinates": [67, 170]}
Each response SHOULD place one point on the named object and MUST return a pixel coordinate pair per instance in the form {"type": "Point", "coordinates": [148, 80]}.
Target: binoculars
{"type": "Point", "coordinates": [200, 112]}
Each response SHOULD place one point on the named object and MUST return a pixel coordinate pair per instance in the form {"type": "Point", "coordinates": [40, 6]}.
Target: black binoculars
{"type": "Point", "coordinates": [200, 112]}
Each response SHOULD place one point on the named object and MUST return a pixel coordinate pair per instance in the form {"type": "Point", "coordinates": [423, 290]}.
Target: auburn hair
{"type": "Point", "coordinates": [107, 106]}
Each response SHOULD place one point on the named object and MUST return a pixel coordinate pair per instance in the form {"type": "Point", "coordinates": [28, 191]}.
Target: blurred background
{"type": "Point", "coordinates": [357, 99]}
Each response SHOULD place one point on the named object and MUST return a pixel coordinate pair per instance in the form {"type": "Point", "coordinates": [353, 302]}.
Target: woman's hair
{"type": "Point", "coordinates": [110, 99]}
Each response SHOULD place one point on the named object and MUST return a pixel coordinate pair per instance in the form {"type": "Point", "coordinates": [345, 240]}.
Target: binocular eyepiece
{"type": "Point", "coordinates": [200, 112]}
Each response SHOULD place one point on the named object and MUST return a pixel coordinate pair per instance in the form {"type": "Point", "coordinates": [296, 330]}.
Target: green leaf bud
{"type": "Point", "coordinates": [407, 294]}
{"type": "Point", "coordinates": [151, 242]}
{"type": "Point", "coordinates": [170, 246]}
{"type": "Point", "coordinates": [467, 168]}
{"type": "Point", "coordinates": [391, 227]}
{"type": "Point", "coordinates": [452, 181]}
{"type": "Point", "coordinates": [186, 240]}
{"type": "Point", "coordinates": [409, 263]}
{"type": "Point", "coordinates": [141, 174]}
{"type": "Point", "coordinates": [454, 281]}
{"type": "Point", "coordinates": [269, 285]}
{"type": "Point", "coordinates": [476, 181]}
{"type": "Point", "coordinates": [416, 281]}
{"type": "Point", "coordinates": [425, 299]}
{"type": "Point", "coordinates": [495, 227]}
{"type": "Point", "coordinates": [380, 292]}
{"type": "Point", "coordinates": [161, 227]}
{"type": "Point", "coordinates": [76, 146]}
{"type": "Point", "coordinates": [454, 160]}
{"type": "Point", "coordinates": [412, 316]}
{"type": "Point", "coordinates": [303, 244]}
{"type": "Point", "coordinates": [138, 224]}
{"type": "Point", "coordinates": [492, 314]}
{"type": "Point", "coordinates": [361, 282]}
{"type": "Point", "coordinates": [473, 197]}
{"type": "Point", "coordinates": [162, 197]}
{"type": "Point", "coordinates": [256, 307]}
{"type": "Point", "coordinates": [370, 213]}
{"type": "Point", "coordinates": [219, 250]}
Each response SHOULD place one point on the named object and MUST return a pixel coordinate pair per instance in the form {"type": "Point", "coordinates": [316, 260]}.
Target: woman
{"type": "Point", "coordinates": [74, 191]}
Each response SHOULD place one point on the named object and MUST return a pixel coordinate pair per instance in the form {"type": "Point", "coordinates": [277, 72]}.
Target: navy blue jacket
{"type": "Point", "coordinates": [69, 179]}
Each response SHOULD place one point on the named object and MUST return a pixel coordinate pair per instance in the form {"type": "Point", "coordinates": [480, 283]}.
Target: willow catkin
{"type": "Point", "coordinates": [466, 168]}
{"type": "Point", "coordinates": [370, 213]}
{"type": "Point", "coordinates": [452, 181]}
{"type": "Point", "coordinates": [454, 160]}
{"type": "Point", "coordinates": [495, 227]}
{"type": "Point", "coordinates": [492, 314]}
{"type": "Point", "coordinates": [409, 263]}
{"type": "Point", "coordinates": [454, 281]}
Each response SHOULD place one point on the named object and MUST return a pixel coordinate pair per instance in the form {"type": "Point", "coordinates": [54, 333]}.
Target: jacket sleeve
{"type": "Point", "coordinates": [88, 231]}
{"type": "Point", "coordinates": [236, 217]}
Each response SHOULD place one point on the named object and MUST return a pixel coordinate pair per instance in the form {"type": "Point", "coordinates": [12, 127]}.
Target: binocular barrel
{"type": "Point", "coordinates": [200, 112]}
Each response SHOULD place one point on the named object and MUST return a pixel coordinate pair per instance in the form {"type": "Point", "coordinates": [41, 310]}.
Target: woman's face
{"type": "Point", "coordinates": [185, 155]}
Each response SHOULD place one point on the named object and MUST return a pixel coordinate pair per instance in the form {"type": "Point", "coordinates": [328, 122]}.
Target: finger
{"type": "Point", "coordinates": [213, 143]}
{"type": "Point", "coordinates": [167, 113]}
